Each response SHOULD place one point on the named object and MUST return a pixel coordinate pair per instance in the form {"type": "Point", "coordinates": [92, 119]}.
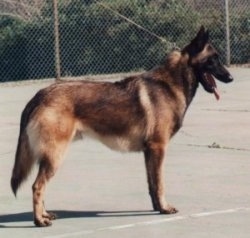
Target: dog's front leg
{"type": "Point", "coordinates": [154, 156]}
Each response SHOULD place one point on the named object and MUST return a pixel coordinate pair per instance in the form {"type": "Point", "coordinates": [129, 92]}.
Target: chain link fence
{"type": "Point", "coordinates": [110, 36]}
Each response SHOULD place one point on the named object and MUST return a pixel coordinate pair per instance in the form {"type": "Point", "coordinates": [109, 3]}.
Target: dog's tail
{"type": "Point", "coordinates": [24, 158]}
{"type": "Point", "coordinates": [23, 163]}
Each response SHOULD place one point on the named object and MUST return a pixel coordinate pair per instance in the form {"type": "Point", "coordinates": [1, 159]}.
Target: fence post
{"type": "Point", "coordinates": [56, 44]}
{"type": "Point", "coordinates": [228, 51]}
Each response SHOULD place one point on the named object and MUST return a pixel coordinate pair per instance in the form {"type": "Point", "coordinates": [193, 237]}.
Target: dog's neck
{"type": "Point", "coordinates": [176, 71]}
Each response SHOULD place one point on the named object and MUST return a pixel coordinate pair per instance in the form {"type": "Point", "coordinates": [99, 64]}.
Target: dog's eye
{"type": "Point", "coordinates": [215, 58]}
{"type": "Point", "coordinates": [212, 60]}
{"type": "Point", "coordinates": [209, 61]}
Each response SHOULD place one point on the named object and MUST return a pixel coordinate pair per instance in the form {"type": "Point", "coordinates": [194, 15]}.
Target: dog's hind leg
{"type": "Point", "coordinates": [46, 171]}
{"type": "Point", "coordinates": [154, 156]}
{"type": "Point", "coordinates": [49, 134]}
{"type": "Point", "coordinates": [48, 166]}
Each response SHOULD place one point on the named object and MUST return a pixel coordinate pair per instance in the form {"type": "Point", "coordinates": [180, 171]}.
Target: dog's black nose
{"type": "Point", "coordinates": [230, 78]}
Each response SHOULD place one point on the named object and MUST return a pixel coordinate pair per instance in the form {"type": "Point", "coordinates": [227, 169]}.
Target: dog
{"type": "Point", "coordinates": [138, 113]}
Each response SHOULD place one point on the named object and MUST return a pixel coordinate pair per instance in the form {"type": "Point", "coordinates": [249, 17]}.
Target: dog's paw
{"type": "Point", "coordinates": [50, 215]}
{"type": "Point", "coordinates": [43, 222]}
{"type": "Point", "coordinates": [168, 210]}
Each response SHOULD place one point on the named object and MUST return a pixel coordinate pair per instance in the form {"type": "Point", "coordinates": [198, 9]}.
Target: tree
{"type": "Point", "coordinates": [22, 9]}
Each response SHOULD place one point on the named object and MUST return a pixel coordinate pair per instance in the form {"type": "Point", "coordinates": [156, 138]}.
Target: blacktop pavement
{"type": "Point", "coordinates": [101, 193]}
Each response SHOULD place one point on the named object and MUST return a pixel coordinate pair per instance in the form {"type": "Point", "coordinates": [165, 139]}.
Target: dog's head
{"type": "Point", "coordinates": [204, 59]}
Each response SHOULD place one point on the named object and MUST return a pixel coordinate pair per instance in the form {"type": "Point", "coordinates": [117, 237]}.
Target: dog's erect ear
{"type": "Point", "coordinates": [201, 38]}
{"type": "Point", "coordinates": [198, 43]}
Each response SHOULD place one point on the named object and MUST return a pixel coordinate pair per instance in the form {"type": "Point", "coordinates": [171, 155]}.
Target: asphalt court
{"type": "Point", "coordinates": [101, 193]}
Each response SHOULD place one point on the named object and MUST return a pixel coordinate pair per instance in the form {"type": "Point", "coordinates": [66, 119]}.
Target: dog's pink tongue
{"type": "Point", "coordinates": [216, 93]}
{"type": "Point", "coordinates": [215, 90]}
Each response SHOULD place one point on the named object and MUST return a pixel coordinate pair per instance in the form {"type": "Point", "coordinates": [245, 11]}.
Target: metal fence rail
{"type": "Point", "coordinates": [109, 36]}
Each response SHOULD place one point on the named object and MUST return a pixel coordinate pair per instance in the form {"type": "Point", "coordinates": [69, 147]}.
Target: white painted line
{"type": "Point", "coordinates": [204, 214]}
{"type": "Point", "coordinates": [152, 222]}
{"type": "Point", "coordinates": [170, 219]}
{"type": "Point", "coordinates": [122, 227]}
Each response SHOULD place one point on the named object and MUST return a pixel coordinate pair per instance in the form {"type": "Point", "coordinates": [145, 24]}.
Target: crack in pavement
{"type": "Point", "coordinates": [214, 145]}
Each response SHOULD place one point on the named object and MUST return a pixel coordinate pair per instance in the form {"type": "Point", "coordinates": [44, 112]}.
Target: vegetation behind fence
{"type": "Point", "coordinates": [94, 39]}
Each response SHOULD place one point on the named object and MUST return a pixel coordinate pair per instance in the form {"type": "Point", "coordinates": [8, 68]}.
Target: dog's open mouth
{"type": "Point", "coordinates": [210, 85]}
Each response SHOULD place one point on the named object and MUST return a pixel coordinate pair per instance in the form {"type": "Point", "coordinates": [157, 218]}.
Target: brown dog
{"type": "Point", "coordinates": [139, 113]}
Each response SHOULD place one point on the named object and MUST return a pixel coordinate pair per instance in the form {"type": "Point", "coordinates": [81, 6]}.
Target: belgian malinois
{"type": "Point", "coordinates": [138, 113]}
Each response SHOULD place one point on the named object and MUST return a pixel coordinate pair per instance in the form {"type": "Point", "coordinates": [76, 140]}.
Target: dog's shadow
{"type": "Point", "coordinates": [63, 214]}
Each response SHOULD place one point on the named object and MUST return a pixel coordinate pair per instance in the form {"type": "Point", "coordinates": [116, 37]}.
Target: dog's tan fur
{"type": "Point", "coordinates": [139, 113]}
